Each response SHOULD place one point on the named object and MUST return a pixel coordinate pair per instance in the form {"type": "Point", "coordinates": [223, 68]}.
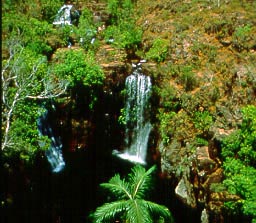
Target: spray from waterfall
{"type": "Point", "coordinates": [137, 112]}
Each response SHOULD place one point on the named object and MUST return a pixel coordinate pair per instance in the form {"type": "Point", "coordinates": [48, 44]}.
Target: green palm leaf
{"type": "Point", "coordinates": [108, 211]}
{"type": "Point", "coordinates": [158, 209]}
{"type": "Point", "coordinates": [140, 181]}
{"type": "Point", "coordinates": [118, 187]}
{"type": "Point", "coordinates": [137, 213]}
{"type": "Point", "coordinates": [131, 208]}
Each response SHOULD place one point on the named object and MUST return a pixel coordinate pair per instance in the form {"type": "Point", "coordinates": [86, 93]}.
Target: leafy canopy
{"type": "Point", "coordinates": [130, 205]}
{"type": "Point", "coordinates": [78, 67]}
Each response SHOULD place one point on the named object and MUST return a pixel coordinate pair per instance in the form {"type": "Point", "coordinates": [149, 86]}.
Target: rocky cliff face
{"type": "Point", "coordinates": [217, 45]}
{"type": "Point", "coordinates": [204, 73]}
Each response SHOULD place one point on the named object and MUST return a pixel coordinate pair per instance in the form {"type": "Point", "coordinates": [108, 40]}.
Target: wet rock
{"type": "Point", "coordinates": [204, 216]}
{"type": "Point", "coordinates": [184, 191]}
{"type": "Point", "coordinates": [215, 177]}
{"type": "Point", "coordinates": [203, 159]}
{"type": "Point", "coordinates": [223, 196]}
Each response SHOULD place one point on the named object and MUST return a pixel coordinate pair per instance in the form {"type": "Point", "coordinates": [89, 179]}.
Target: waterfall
{"type": "Point", "coordinates": [137, 112]}
{"type": "Point", "coordinates": [54, 153]}
{"type": "Point", "coordinates": [66, 15]}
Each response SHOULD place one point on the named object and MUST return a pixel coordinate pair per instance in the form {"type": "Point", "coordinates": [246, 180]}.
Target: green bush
{"type": "Point", "coordinates": [86, 29]}
{"type": "Point", "coordinates": [24, 132]}
{"type": "Point", "coordinates": [239, 155]}
{"type": "Point", "coordinates": [242, 36]}
{"type": "Point", "coordinates": [125, 35]}
{"type": "Point", "coordinates": [165, 128]}
{"type": "Point", "coordinates": [120, 10]}
{"type": "Point", "coordinates": [187, 78]}
{"type": "Point", "coordinates": [158, 51]}
{"type": "Point", "coordinates": [79, 68]}
{"type": "Point", "coordinates": [202, 120]}
{"type": "Point", "coordinates": [122, 31]}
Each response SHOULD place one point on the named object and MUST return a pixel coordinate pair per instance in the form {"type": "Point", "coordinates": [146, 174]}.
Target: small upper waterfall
{"type": "Point", "coordinates": [138, 127]}
{"type": "Point", "coordinates": [63, 16]}
{"type": "Point", "coordinates": [54, 153]}
{"type": "Point", "coordinates": [66, 15]}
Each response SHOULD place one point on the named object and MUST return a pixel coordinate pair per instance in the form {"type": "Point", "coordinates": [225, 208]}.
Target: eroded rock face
{"type": "Point", "coordinates": [204, 161]}
{"type": "Point", "coordinates": [200, 179]}
{"type": "Point", "coordinates": [184, 191]}
{"type": "Point", "coordinates": [204, 216]}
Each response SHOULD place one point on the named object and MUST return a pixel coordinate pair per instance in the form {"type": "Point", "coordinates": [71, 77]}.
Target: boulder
{"type": "Point", "coordinates": [204, 161]}
{"type": "Point", "coordinates": [184, 191]}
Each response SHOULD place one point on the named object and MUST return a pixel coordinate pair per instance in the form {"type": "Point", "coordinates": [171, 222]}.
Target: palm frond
{"type": "Point", "coordinates": [136, 213]}
{"type": "Point", "coordinates": [108, 211]}
{"type": "Point", "coordinates": [118, 187]}
{"type": "Point", "coordinates": [140, 180]}
{"type": "Point", "coordinates": [157, 209]}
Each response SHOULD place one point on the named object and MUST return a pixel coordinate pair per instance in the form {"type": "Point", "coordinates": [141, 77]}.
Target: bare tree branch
{"type": "Point", "coordinates": [22, 81]}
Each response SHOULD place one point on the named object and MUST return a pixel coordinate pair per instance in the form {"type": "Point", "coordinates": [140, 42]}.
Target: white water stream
{"type": "Point", "coordinates": [138, 127]}
{"type": "Point", "coordinates": [54, 153]}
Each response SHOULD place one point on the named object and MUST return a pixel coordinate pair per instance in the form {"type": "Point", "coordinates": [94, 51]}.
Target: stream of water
{"type": "Point", "coordinates": [136, 112]}
{"type": "Point", "coordinates": [54, 153]}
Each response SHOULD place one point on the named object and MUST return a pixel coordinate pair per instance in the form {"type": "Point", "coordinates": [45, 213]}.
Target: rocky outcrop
{"type": "Point", "coordinates": [184, 190]}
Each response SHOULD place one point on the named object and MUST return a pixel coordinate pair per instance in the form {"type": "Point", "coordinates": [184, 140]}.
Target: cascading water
{"type": "Point", "coordinates": [66, 15]}
{"type": "Point", "coordinates": [54, 153]}
{"type": "Point", "coordinates": [138, 127]}
{"type": "Point", "coordinates": [63, 16]}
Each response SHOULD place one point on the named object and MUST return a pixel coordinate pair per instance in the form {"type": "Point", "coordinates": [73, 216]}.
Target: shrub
{"type": "Point", "coordinates": [122, 31]}
{"type": "Point", "coordinates": [187, 78]}
{"type": "Point", "coordinates": [80, 69]}
{"type": "Point", "coordinates": [86, 29]}
{"type": "Point", "coordinates": [158, 51]}
{"type": "Point", "coordinates": [241, 37]}
{"type": "Point", "coordinates": [202, 120]}
{"type": "Point", "coordinates": [124, 35]}
{"type": "Point", "coordinates": [165, 127]}
{"type": "Point", "coordinates": [239, 154]}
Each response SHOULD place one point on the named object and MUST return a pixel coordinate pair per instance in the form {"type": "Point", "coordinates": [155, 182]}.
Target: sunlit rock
{"type": "Point", "coordinates": [184, 191]}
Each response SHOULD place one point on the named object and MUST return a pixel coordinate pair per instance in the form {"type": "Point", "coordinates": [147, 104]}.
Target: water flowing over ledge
{"type": "Point", "coordinates": [137, 112]}
{"type": "Point", "coordinates": [54, 153]}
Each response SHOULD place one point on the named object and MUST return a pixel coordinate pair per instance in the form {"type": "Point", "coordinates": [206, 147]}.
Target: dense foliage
{"type": "Point", "coordinates": [130, 205]}
{"type": "Point", "coordinates": [31, 75]}
{"type": "Point", "coordinates": [79, 68]}
{"type": "Point", "coordinates": [122, 31]}
{"type": "Point", "coordinates": [239, 154]}
{"type": "Point", "coordinates": [203, 71]}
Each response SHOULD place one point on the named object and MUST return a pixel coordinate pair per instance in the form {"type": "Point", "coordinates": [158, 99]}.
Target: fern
{"type": "Point", "coordinates": [140, 181]}
{"type": "Point", "coordinates": [108, 211]}
{"type": "Point", "coordinates": [131, 207]}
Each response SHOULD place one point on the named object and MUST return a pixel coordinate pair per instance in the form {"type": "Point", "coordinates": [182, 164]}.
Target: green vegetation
{"type": "Point", "coordinates": [242, 37]}
{"type": "Point", "coordinates": [80, 69]}
{"type": "Point", "coordinates": [122, 31]}
{"type": "Point", "coordinates": [26, 78]}
{"type": "Point", "coordinates": [203, 74]}
{"type": "Point", "coordinates": [86, 29]}
{"type": "Point", "coordinates": [31, 75]}
{"type": "Point", "coordinates": [239, 154]}
{"type": "Point", "coordinates": [130, 205]}
{"type": "Point", "coordinates": [203, 120]}
{"type": "Point", "coordinates": [158, 50]}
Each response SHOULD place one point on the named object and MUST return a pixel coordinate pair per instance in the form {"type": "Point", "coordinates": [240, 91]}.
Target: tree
{"type": "Point", "coordinates": [81, 70]}
{"type": "Point", "coordinates": [131, 206]}
{"type": "Point", "coordinates": [26, 78]}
